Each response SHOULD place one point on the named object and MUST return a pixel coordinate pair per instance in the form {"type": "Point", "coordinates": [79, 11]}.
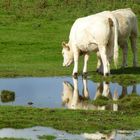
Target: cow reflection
{"type": "Point", "coordinates": [73, 100]}
{"type": "Point", "coordinates": [124, 91]}
{"type": "Point", "coordinates": [100, 136]}
{"type": "Point", "coordinates": [103, 89]}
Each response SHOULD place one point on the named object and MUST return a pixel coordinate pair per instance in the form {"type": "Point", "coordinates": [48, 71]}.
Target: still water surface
{"type": "Point", "coordinates": [52, 92]}
{"type": "Point", "coordinates": [34, 132]}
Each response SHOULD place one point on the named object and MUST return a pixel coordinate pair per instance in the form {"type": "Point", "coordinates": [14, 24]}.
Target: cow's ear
{"type": "Point", "coordinates": [64, 45]}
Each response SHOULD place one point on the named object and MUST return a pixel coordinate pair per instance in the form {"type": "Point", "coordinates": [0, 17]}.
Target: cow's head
{"type": "Point", "coordinates": [67, 93]}
{"type": "Point", "coordinates": [67, 53]}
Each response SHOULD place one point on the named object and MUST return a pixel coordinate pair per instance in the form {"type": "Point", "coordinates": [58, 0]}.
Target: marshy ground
{"type": "Point", "coordinates": [31, 33]}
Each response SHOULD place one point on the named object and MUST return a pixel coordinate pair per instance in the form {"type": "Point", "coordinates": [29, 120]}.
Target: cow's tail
{"type": "Point", "coordinates": [116, 47]}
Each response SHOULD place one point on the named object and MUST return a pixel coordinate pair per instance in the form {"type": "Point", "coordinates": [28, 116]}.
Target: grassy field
{"type": "Point", "coordinates": [75, 121]}
{"type": "Point", "coordinates": [31, 32]}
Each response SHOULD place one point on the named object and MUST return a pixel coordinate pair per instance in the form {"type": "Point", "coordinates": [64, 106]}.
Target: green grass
{"type": "Point", "coordinates": [75, 121]}
{"type": "Point", "coordinates": [31, 33]}
{"type": "Point", "coordinates": [124, 103]}
{"type": "Point", "coordinates": [123, 76]}
{"type": "Point", "coordinates": [12, 139]}
{"type": "Point", "coordinates": [101, 101]}
{"type": "Point", "coordinates": [47, 137]}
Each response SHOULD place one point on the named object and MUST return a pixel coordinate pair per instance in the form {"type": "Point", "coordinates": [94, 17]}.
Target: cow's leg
{"type": "Point", "coordinates": [106, 89]}
{"type": "Point", "coordinates": [98, 64]}
{"type": "Point", "coordinates": [134, 49]}
{"type": "Point", "coordinates": [134, 89]}
{"type": "Point", "coordinates": [125, 52]}
{"type": "Point", "coordinates": [98, 61]}
{"type": "Point", "coordinates": [75, 69]}
{"type": "Point", "coordinates": [75, 97]}
{"type": "Point", "coordinates": [106, 65]}
{"type": "Point", "coordinates": [99, 90]}
{"type": "Point", "coordinates": [101, 70]}
{"type": "Point", "coordinates": [86, 58]}
{"type": "Point", "coordinates": [85, 89]}
{"type": "Point", "coordinates": [99, 67]}
{"type": "Point", "coordinates": [124, 91]}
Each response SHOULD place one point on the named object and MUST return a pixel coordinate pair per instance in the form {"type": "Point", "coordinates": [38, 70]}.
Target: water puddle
{"type": "Point", "coordinates": [60, 92]}
{"type": "Point", "coordinates": [34, 133]}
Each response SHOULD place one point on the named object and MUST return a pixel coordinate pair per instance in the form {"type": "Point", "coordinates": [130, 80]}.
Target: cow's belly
{"type": "Point", "coordinates": [90, 47]}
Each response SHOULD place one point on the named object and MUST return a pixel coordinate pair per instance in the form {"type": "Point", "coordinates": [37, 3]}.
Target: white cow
{"type": "Point", "coordinates": [92, 33]}
{"type": "Point", "coordinates": [127, 28]}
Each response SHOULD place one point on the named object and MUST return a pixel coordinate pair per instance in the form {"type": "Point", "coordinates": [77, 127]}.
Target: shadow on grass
{"type": "Point", "coordinates": [123, 76]}
{"type": "Point", "coordinates": [128, 70]}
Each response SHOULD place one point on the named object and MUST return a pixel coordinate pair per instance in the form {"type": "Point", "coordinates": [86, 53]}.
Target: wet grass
{"type": "Point", "coordinates": [47, 137]}
{"type": "Point", "coordinates": [101, 101]}
{"type": "Point", "coordinates": [75, 121]}
{"type": "Point", "coordinates": [127, 102]}
{"type": "Point", "coordinates": [12, 139]}
{"type": "Point", "coordinates": [130, 101]}
{"type": "Point", "coordinates": [31, 33]}
{"type": "Point", "coordinates": [44, 137]}
{"type": "Point", "coordinates": [122, 76]}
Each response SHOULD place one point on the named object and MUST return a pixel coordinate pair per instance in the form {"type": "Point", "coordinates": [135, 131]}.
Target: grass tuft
{"type": "Point", "coordinates": [47, 137]}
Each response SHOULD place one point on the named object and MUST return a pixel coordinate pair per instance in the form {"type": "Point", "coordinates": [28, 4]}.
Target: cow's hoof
{"type": "Point", "coordinates": [107, 74]}
{"type": "Point", "coordinates": [107, 82]}
{"type": "Point", "coordinates": [97, 70]}
{"type": "Point", "coordinates": [75, 75]}
{"type": "Point", "coordinates": [135, 65]}
{"type": "Point", "coordinates": [84, 75]}
{"type": "Point", "coordinates": [124, 66]}
{"type": "Point", "coordinates": [100, 73]}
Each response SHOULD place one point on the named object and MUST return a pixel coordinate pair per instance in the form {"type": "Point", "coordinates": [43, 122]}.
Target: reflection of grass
{"type": "Point", "coordinates": [47, 137]}
{"type": "Point", "coordinates": [128, 102]}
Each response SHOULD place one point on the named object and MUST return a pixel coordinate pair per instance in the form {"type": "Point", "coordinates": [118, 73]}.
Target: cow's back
{"type": "Point", "coordinates": [127, 22]}
{"type": "Point", "coordinates": [87, 30]}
